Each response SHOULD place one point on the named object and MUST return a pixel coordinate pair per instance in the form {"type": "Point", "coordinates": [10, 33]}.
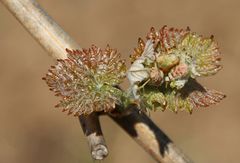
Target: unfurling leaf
{"type": "Point", "coordinates": [191, 96]}
{"type": "Point", "coordinates": [87, 80]}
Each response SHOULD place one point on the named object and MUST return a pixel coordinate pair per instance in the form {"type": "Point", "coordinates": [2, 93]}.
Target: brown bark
{"type": "Point", "coordinates": [152, 139]}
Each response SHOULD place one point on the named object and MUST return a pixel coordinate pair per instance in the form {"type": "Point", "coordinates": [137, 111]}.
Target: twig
{"type": "Point", "coordinates": [153, 140]}
{"type": "Point", "coordinates": [91, 128]}
{"type": "Point", "coordinates": [54, 40]}
{"type": "Point", "coordinates": [137, 125]}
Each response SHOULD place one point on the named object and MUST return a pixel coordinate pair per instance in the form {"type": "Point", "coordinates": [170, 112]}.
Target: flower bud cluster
{"type": "Point", "coordinates": [165, 64]}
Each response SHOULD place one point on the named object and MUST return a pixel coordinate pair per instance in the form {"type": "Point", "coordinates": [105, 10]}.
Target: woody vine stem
{"type": "Point", "coordinates": [162, 76]}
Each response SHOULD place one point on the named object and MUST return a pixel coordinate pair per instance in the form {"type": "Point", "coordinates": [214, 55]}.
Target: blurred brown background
{"type": "Point", "coordinates": [32, 131]}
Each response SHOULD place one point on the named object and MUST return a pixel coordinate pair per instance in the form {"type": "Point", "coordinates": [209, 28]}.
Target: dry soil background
{"type": "Point", "coordinates": [32, 131]}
